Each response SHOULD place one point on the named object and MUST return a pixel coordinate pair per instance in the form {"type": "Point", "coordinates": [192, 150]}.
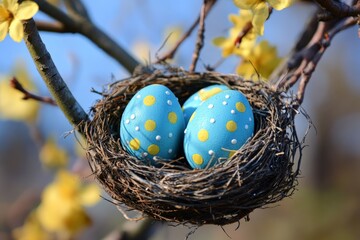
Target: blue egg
{"type": "Point", "coordinates": [195, 100]}
{"type": "Point", "coordinates": [152, 125]}
{"type": "Point", "coordinates": [218, 128]}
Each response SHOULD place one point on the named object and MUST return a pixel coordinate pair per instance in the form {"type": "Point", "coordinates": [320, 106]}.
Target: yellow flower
{"type": "Point", "coordinates": [11, 15]}
{"type": "Point", "coordinates": [31, 230]}
{"type": "Point", "coordinates": [12, 106]}
{"type": "Point", "coordinates": [262, 60]}
{"type": "Point", "coordinates": [228, 44]}
{"type": "Point", "coordinates": [260, 9]}
{"type": "Point", "coordinates": [62, 206]}
{"type": "Point", "coordinates": [52, 156]}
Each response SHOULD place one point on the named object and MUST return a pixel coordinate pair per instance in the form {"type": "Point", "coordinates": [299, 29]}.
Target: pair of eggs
{"type": "Point", "coordinates": [212, 125]}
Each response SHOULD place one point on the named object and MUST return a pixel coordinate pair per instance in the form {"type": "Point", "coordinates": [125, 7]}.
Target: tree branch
{"type": "Point", "coordinates": [48, 71]}
{"type": "Point", "coordinates": [14, 83]}
{"type": "Point", "coordinates": [200, 37]}
{"type": "Point", "coordinates": [170, 54]}
{"type": "Point", "coordinates": [311, 55]}
{"type": "Point", "coordinates": [79, 24]}
{"type": "Point", "coordinates": [337, 9]}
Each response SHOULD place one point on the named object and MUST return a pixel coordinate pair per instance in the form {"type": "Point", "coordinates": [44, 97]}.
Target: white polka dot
{"type": "Point", "coordinates": [169, 102]}
{"type": "Point", "coordinates": [170, 135]}
{"type": "Point", "coordinates": [137, 128]}
{"type": "Point", "coordinates": [144, 154]}
{"type": "Point", "coordinates": [211, 152]}
{"type": "Point", "coordinates": [127, 121]}
{"type": "Point", "coordinates": [127, 142]}
{"type": "Point", "coordinates": [210, 105]}
{"type": "Point", "coordinates": [212, 120]}
{"type": "Point", "coordinates": [167, 92]}
{"type": "Point", "coordinates": [246, 126]}
{"type": "Point", "coordinates": [132, 116]}
{"type": "Point", "coordinates": [233, 141]}
{"type": "Point", "coordinates": [232, 111]}
{"type": "Point", "coordinates": [227, 96]}
{"type": "Point", "coordinates": [196, 98]}
{"type": "Point", "coordinates": [170, 150]}
{"type": "Point", "coordinates": [224, 103]}
{"type": "Point", "coordinates": [250, 119]}
{"type": "Point", "coordinates": [138, 96]}
{"type": "Point", "coordinates": [185, 131]}
{"type": "Point", "coordinates": [158, 137]}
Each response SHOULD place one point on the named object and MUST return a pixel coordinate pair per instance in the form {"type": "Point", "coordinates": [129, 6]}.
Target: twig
{"type": "Point", "coordinates": [56, 27]}
{"type": "Point", "coordinates": [14, 83]}
{"type": "Point", "coordinates": [200, 38]}
{"type": "Point", "coordinates": [248, 26]}
{"type": "Point", "coordinates": [79, 24]}
{"type": "Point", "coordinates": [312, 54]}
{"type": "Point", "coordinates": [337, 9]}
{"type": "Point", "coordinates": [170, 54]}
{"type": "Point", "coordinates": [48, 71]}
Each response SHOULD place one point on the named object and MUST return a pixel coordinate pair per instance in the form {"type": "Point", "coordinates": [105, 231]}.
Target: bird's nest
{"type": "Point", "coordinates": [261, 172]}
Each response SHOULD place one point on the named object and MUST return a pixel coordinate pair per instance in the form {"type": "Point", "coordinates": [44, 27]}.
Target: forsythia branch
{"type": "Point", "coordinates": [14, 83]}
{"type": "Point", "coordinates": [79, 24]}
{"type": "Point", "coordinates": [48, 71]}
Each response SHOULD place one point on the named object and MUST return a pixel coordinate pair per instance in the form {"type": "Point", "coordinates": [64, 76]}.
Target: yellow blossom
{"type": "Point", "coordinates": [11, 15]}
{"type": "Point", "coordinates": [260, 9]}
{"type": "Point", "coordinates": [52, 156]}
{"type": "Point", "coordinates": [31, 230]}
{"type": "Point", "coordinates": [12, 106]}
{"type": "Point", "coordinates": [228, 44]}
{"type": "Point", "coordinates": [62, 204]}
{"type": "Point", "coordinates": [262, 60]}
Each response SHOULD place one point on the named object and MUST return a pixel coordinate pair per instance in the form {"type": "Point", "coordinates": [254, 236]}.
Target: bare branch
{"type": "Point", "coordinates": [52, 27]}
{"type": "Point", "coordinates": [14, 83]}
{"type": "Point", "coordinates": [79, 24]}
{"type": "Point", "coordinates": [337, 9]}
{"type": "Point", "coordinates": [170, 54]}
{"type": "Point", "coordinates": [48, 71]}
{"type": "Point", "coordinates": [200, 38]}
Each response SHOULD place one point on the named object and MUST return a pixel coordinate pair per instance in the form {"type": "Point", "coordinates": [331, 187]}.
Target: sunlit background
{"type": "Point", "coordinates": [326, 204]}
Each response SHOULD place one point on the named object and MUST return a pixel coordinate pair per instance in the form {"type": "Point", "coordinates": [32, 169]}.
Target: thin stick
{"type": "Point", "coordinates": [14, 83]}
{"type": "Point", "coordinates": [170, 54]}
{"type": "Point", "coordinates": [79, 24]}
{"type": "Point", "coordinates": [200, 38]}
{"type": "Point", "coordinates": [52, 78]}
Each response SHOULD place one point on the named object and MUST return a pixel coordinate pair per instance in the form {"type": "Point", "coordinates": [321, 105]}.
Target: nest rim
{"type": "Point", "coordinates": [261, 172]}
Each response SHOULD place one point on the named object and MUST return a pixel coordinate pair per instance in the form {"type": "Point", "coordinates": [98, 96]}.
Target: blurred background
{"type": "Point", "coordinates": [326, 204]}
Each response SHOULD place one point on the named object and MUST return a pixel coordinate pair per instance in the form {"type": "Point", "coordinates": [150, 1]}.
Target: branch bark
{"type": "Point", "coordinates": [52, 78]}
{"type": "Point", "coordinates": [79, 24]}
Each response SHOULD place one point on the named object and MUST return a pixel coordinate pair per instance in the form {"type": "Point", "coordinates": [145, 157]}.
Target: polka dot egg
{"type": "Point", "coordinates": [152, 124]}
{"type": "Point", "coordinates": [195, 100]}
{"type": "Point", "coordinates": [219, 127]}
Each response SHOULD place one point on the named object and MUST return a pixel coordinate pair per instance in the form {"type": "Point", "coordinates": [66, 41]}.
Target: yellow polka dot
{"type": "Point", "coordinates": [149, 100]}
{"type": "Point", "coordinates": [192, 117]}
{"type": "Point", "coordinates": [172, 117]}
{"type": "Point", "coordinates": [134, 144]}
{"type": "Point", "coordinates": [150, 125]}
{"type": "Point", "coordinates": [206, 94]}
{"type": "Point", "coordinates": [231, 153]}
{"type": "Point", "coordinates": [197, 158]}
{"type": "Point", "coordinates": [203, 135]}
{"type": "Point", "coordinates": [240, 107]}
{"type": "Point", "coordinates": [153, 149]}
{"type": "Point", "coordinates": [231, 126]}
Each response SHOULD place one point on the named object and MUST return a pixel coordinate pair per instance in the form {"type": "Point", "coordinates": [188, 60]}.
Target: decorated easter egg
{"type": "Point", "coordinates": [218, 128]}
{"type": "Point", "coordinates": [152, 124]}
{"type": "Point", "coordinates": [195, 100]}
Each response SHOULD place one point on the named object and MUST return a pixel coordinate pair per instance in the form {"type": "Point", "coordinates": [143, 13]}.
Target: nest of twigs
{"type": "Point", "coordinates": [262, 172]}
